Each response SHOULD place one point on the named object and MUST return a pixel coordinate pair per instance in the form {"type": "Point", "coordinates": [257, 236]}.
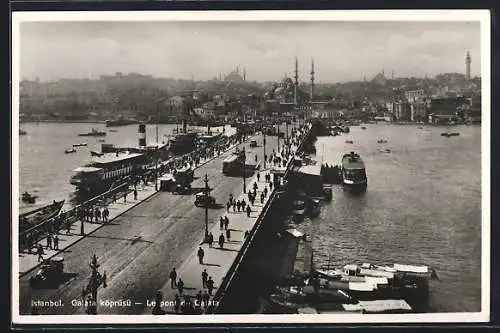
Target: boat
{"type": "Point", "coordinates": [22, 132]}
{"type": "Point", "coordinates": [120, 122]}
{"type": "Point", "coordinates": [104, 170]}
{"type": "Point", "coordinates": [95, 153]}
{"type": "Point", "coordinates": [82, 144]}
{"type": "Point", "coordinates": [101, 140]}
{"type": "Point", "coordinates": [113, 130]}
{"type": "Point", "coordinates": [363, 127]}
{"type": "Point", "coordinates": [183, 142]}
{"type": "Point", "coordinates": [349, 141]}
{"type": "Point", "coordinates": [39, 215]}
{"type": "Point", "coordinates": [353, 172]}
{"type": "Point", "coordinates": [94, 132]}
{"type": "Point", "coordinates": [450, 134]}
{"type": "Point", "coordinates": [28, 198]}
{"type": "Point", "coordinates": [70, 150]}
{"type": "Point", "coordinates": [381, 141]}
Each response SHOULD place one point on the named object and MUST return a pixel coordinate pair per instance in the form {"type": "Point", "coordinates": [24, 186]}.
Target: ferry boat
{"type": "Point", "coordinates": [70, 151]}
{"type": "Point", "coordinates": [94, 132]}
{"type": "Point", "coordinates": [120, 122]}
{"type": "Point", "coordinates": [183, 142]}
{"type": "Point", "coordinates": [353, 172]}
{"type": "Point", "coordinates": [98, 175]}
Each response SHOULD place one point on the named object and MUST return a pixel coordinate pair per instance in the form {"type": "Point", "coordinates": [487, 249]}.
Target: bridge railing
{"type": "Point", "coordinates": [226, 283]}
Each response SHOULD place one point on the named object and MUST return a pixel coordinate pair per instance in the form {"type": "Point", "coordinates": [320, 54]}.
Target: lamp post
{"type": "Point", "coordinates": [278, 137]}
{"type": "Point", "coordinates": [207, 189]}
{"type": "Point", "coordinates": [264, 145]}
{"type": "Point", "coordinates": [244, 171]}
{"type": "Point", "coordinates": [96, 279]}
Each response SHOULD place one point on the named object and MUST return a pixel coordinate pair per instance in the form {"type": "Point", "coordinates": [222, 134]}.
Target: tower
{"type": "Point", "coordinates": [296, 83]}
{"type": "Point", "coordinates": [312, 79]}
{"type": "Point", "coordinates": [467, 66]}
{"type": "Point", "coordinates": [244, 73]}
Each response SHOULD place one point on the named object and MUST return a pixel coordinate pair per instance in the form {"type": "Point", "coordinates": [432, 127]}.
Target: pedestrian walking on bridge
{"type": "Point", "coordinates": [173, 278]}
{"type": "Point", "coordinates": [221, 241]}
{"type": "Point", "coordinates": [228, 205]}
{"type": "Point", "coordinates": [201, 254]}
{"type": "Point", "coordinates": [56, 242]}
{"type": "Point", "coordinates": [49, 241]}
{"type": "Point", "coordinates": [238, 205]}
{"type": "Point", "coordinates": [249, 210]}
{"type": "Point", "coordinates": [258, 176]}
{"type": "Point", "coordinates": [210, 285]}
{"type": "Point", "coordinates": [180, 286]}
{"type": "Point", "coordinates": [204, 278]}
{"type": "Point", "coordinates": [210, 239]}
{"type": "Point", "coordinates": [226, 222]}
{"type": "Point", "coordinates": [221, 223]}
{"type": "Point", "coordinates": [243, 204]}
{"type": "Point", "coordinates": [40, 252]}
{"type": "Point", "coordinates": [135, 194]}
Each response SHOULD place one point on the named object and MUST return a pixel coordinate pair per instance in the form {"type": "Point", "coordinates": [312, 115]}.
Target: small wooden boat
{"type": "Point", "coordinates": [113, 130]}
{"type": "Point", "coordinates": [349, 141]}
{"type": "Point", "coordinates": [82, 144]}
{"type": "Point", "coordinates": [362, 127]}
{"type": "Point", "coordinates": [101, 140]}
{"type": "Point", "coordinates": [381, 141]}
{"type": "Point", "coordinates": [70, 151]}
{"type": "Point", "coordinates": [28, 198]}
{"type": "Point", "coordinates": [22, 132]}
{"type": "Point", "coordinates": [37, 216]}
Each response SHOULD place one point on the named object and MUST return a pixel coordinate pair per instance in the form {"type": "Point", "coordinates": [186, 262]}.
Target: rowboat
{"type": "Point", "coordinates": [37, 216]}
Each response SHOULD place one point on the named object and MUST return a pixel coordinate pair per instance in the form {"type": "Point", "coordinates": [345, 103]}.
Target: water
{"type": "Point", "coordinates": [44, 168]}
{"type": "Point", "coordinates": [422, 206]}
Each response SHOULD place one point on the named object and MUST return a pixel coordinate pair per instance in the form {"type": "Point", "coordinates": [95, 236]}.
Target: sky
{"type": "Point", "coordinates": [342, 51]}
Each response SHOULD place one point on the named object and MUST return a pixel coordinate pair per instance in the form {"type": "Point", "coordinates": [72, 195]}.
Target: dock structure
{"type": "Point", "coordinates": [139, 247]}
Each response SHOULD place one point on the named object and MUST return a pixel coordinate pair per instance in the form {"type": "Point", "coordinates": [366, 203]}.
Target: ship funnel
{"type": "Point", "coordinates": [142, 135]}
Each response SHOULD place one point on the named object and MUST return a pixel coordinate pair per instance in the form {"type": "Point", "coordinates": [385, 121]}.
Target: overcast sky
{"type": "Point", "coordinates": [342, 51]}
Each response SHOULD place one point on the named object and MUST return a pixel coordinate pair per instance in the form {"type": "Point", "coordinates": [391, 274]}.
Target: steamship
{"type": "Point", "coordinates": [115, 164]}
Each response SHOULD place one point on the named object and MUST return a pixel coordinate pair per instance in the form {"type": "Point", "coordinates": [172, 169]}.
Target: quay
{"type": "Point", "coordinates": [145, 239]}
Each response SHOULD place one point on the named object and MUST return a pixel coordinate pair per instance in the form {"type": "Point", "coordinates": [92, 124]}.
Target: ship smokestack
{"type": "Point", "coordinates": [142, 135]}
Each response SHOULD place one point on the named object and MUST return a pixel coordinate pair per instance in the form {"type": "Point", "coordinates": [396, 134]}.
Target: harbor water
{"type": "Point", "coordinates": [44, 168]}
{"type": "Point", "coordinates": [422, 206]}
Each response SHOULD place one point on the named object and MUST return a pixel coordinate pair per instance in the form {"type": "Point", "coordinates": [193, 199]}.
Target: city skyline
{"type": "Point", "coordinates": [55, 50]}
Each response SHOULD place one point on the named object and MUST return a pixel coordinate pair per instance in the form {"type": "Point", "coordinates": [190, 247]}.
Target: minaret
{"type": "Point", "coordinates": [244, 73]}
{"type": "Point", "coordinates": [238, 70]}
{"type": "Point", "coordinates": [392, 75]}
{"type": "Point", "coordinates": [312, 79]}
{"type": "Point", "coordinates": [296, 85]}
{"type": "Point", "coordinates": [383, 72]}
{"type": "Point", "coordinates": [467, 66]}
